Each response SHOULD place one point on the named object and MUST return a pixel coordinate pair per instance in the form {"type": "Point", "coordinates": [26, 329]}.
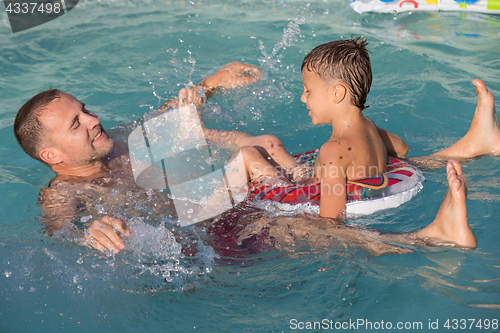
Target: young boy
{"type": "Point", "coordinates": [337, 78]}
{"type": "Point", "coordinates": [266, 156]}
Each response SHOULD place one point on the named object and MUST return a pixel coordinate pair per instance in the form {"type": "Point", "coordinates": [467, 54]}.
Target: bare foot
{"type": "Point", "coordinates": [450, 225]}
{"type": "Point", "coordinates": [232, 75]}
{"type": "Point", "coordinates": [483, 137]}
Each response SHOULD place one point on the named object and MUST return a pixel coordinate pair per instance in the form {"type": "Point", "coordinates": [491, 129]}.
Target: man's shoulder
{"type": "Point", "coordinates": [57, 191]}
{"type": "Point", "coordinates": [58, 182]}
{"type": "Point", "coordinates": [119, 162]}
{"type": "Point", "coordinates": [57, 187]}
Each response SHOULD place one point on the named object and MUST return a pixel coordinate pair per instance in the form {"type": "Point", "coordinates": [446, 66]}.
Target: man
{"type": "Point", "coordinates": [94, 175]}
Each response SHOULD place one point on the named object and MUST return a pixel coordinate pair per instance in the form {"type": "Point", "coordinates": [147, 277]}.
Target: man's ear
{"type": "Point", "coordinates": [50, 155]}
{"type": "Point", "coordinates": [339, 93]}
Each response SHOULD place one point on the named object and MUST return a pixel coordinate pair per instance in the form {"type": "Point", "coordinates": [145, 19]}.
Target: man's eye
{"type": "Point", "coordinates": [86, 111]}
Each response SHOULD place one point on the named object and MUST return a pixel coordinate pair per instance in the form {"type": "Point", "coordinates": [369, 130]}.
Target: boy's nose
{"type": "Point", "coordinates": [303, 98]}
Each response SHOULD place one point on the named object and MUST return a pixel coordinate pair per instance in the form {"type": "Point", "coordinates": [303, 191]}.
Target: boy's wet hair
{"type": "Point", "coordinates": [345, 60]}
{"type": "Point", "coordinates": [27, 127]}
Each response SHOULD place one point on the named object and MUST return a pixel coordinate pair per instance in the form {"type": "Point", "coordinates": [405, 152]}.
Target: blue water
{"type": "Point", "coordinates": [123, 57]}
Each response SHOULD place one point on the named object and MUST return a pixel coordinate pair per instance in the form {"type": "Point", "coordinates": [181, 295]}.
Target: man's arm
{"type": "Point", "coordinates": [102, 234]}
{"type": "Point", "coordinates": [59, 209]}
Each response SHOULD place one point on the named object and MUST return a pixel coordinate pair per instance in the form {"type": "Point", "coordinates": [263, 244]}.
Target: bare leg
{"type": "Point", "coordinates": [230, 76]}
{"type": "Point", "coordinates": [261, 154]}
{"type": "Point", "coordinates": [287, 233]}
{"type": "Point", "coordinates": [269, 146]}
{"type": "Point", "coordinates": [483, 137]}
{"type": "Point", "coordinates": [268, 153]}
{"type": "Point", "coordinates": [451, 223]}
{"type": "Point", "coordinates": [449, 228]}
{"type": "Point", "coordinates": [256, 166]}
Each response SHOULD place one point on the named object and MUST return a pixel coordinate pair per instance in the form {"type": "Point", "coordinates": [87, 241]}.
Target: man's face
{"type": "Point", "coordinates": [74, 131]}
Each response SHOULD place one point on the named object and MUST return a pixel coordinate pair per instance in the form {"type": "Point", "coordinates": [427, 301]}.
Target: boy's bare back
{"type": "Point", "coordinates": [357, 154]}
{"type": "Point", "coordinates": [337, 79]}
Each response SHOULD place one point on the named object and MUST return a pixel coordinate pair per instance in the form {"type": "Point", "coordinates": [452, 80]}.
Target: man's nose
{"type": "Point", "coordinates": [92, 119]}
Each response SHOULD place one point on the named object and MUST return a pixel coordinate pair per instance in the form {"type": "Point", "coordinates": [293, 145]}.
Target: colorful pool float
{"type": "Point", "coordinates": [394, 6]}
{"type": "Point", "coordinates": [397, 185]}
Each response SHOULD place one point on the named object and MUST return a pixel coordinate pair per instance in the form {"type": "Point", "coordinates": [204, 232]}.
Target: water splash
{"type": "Point", "coordinates": [157, 258]}
{"type": "Point", "coordinates": [289, 38]}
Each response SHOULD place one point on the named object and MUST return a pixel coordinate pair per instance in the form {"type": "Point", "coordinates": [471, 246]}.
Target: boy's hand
{"type": "Point", "coordinates": [103, 234]}
{"type": "Point", "coordinates": [232, 75]}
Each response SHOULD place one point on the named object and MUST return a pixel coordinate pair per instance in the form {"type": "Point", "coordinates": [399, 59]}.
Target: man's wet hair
{"type": "Point", "coordinates": [345, 60]}
{"type": "Point", "coordinates": [27, 127]}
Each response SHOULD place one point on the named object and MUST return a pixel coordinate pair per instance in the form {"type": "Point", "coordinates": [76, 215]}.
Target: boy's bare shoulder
{"type": "Point", "coordinates": [336, 152]}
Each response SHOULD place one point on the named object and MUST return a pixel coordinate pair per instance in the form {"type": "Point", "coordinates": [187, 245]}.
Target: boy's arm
{"type": "Point", "coordinates": [396, 147]}
{"type": "Point", "coordinates": [334, 160]}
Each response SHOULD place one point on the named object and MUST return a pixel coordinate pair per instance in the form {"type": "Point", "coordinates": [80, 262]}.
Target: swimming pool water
{"type": "Point", "coordinates": [121, 57]}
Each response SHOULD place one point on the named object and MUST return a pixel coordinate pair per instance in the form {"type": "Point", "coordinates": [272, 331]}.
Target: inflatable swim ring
{"type": "Point", "coordinates": [397, 185]}
{"type": "Point", "coordinates": [394, 6]}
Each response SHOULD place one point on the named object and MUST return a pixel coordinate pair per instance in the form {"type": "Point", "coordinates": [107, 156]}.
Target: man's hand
{"type": "Point", "coordinates": [232, 75]}
{"type": "Point", "coordinates": [103, 234]}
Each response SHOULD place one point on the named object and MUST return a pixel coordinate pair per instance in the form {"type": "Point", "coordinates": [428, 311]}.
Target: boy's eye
{"type": "Point", "coordinates": [77, 123]}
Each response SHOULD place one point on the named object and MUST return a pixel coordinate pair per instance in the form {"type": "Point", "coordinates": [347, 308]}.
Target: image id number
{"type": "Point", "coordinates": [33, 7]}
{"type": "Point", "coordinates": [463, 324]}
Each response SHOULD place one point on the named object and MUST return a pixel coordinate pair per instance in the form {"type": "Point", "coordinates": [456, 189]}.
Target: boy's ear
{"type": "Point", "coordinates": [50, 155]}
{"type": "Point", "coordinates": [339, 93]}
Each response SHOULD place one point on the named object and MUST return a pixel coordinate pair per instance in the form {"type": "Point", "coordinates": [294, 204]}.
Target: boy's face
{"type": "Point", "coordinates": [317, 96]}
